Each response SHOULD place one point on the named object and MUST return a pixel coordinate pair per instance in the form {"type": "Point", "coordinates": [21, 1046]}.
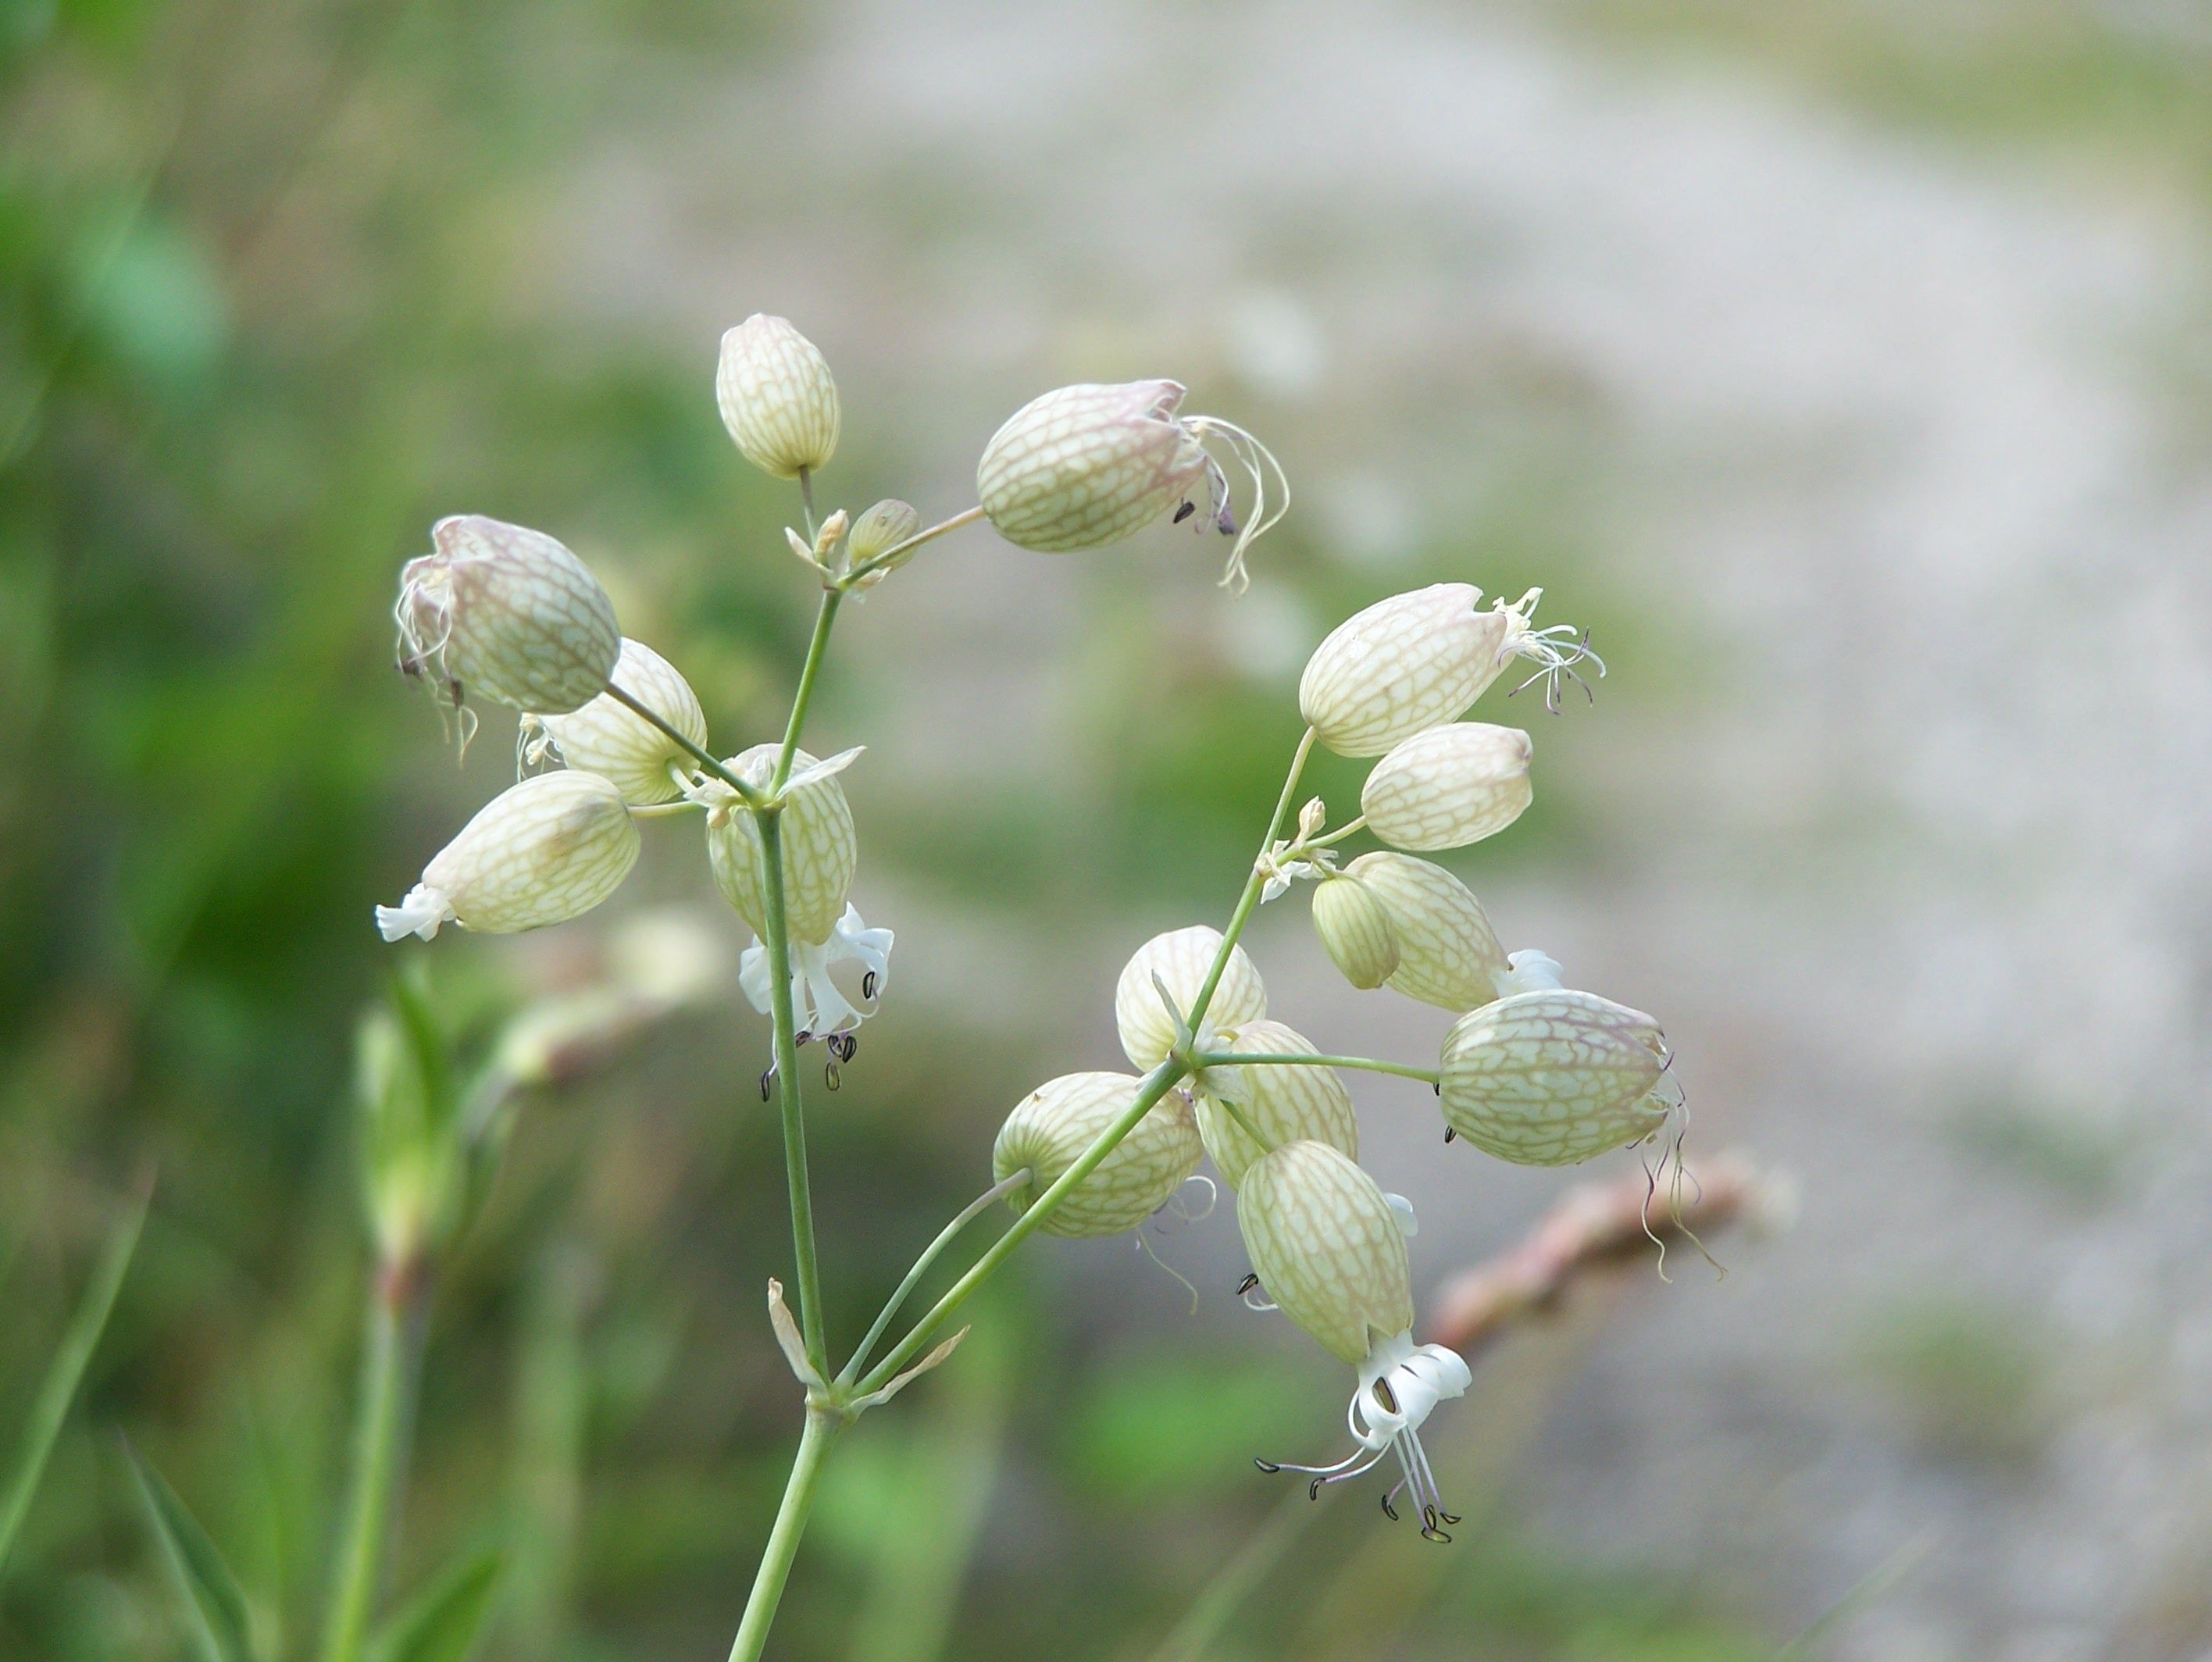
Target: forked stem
{"type": "Point", "coordinates": [708, 764]}
{"type": "Point", "coordinates": [974, 1210]}
{"type": "Point", "coordinates": [1157, 1084]}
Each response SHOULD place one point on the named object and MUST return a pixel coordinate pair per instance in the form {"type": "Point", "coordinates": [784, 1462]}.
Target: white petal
{"type": "Point", "coordinates": [420, 913]}
{"type": "Point", "coordinates": [823, 770]}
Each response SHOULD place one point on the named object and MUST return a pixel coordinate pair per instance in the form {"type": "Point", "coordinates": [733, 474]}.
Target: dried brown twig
{"type": "Point", "coordinates": [1598, 1226]}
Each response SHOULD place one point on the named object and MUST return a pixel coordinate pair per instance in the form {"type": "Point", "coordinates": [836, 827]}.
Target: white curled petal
{"type": "Point", "coordinates": [420, 913]}
{"type": "Point", "coordinates": [818, 1004]}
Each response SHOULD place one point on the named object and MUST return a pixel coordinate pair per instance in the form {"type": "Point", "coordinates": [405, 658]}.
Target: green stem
{"type": "Point", "coordinates": [969, 1213]}
{"type": "Point", "coordinates": [1340, 834]}
{"type": "Point", "coordinates": [1250, 898]}
{"type": "Point", "coordinates": [1306, 1059]}
{"type": "Point", "coordinates": [822, 1429]}
{"type": "Point", "coordinates": [901, 550]}
{"type": "Point", "coordinates": [1156, 1085]}
{"type": "Point", "coordinates": [806, 497]}
{"type": "Point", "coordinates": [776, 937]}
{"type": "Point", "coordinates": [706, 759]}
{"type": "Point", "coordinates": [815, 649]}
{"type": "Point", "coordinates": [380, 1417]}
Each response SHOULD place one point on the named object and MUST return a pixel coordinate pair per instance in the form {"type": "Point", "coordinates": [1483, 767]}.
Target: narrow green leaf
{"type": "Point", "coordinates": [59, 1389]}
{"type": "Point", "coordinates": [444, 1622]}
{"type": "Point", "coordinates": [216, 1599]}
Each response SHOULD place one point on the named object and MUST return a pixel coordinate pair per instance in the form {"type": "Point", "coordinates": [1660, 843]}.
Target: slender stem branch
{"type": "Point", "coordinates": [898, 551]}
{"type": "Point", "coordinates": [1305, 1060]}
{"type": "Point", "coordinates": [1250, 898]}
{"type": "Point", "coordinates": [806, 496]}
{"type": "Point", "coordinates": [974, 1210]}
{"type": "Point", "coordinates": [821, 1429]}
{"type": "Point", "coordinates": [1236, 1112]}
{"type": "Point", "coordinates": [1340, 834]}
{"type": "Point", "coordinates": [776, 937]}
{"type": "Point", "coordinates": [1156, 1084]}
{"type": "Point", "coordinates": [706, 759]}
{"type": "Point", "coordinates": [380, 1417]}
{"type": "Point", "coordinates": [816, 648]}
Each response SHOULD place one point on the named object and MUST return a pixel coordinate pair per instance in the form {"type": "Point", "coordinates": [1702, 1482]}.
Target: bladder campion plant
{"type": "Point", "coordinates": [1532, 1072]}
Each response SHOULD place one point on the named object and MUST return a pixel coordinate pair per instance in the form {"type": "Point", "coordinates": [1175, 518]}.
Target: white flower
{"type": "Point", "coordinates": [818, 1006]}
{"type": "Point", "coordinates": [1282, 1104]}
{"type": "Point", "coordinates": [1177, 962]}
{"type": "Point", "coordinates": [1083, 466]}
{"type": "Point", "coordinates": [1401, 1384]}
{"type": "Point", "coordinates": [1553, 1076]}
{"type": "Point", "coordinates": [607, 738]}
{"type": "Point", "coordinates": [540, 852]}
{"type": "Point", "coordinates": [1447, 954]}
{"type": "Point", "coordinates": [508, 613]}
{"type": "Point", "coordinates": [1449, 786]}
{"type": "Point", "coordinates": [1055, 1126]}
{"type": "Point", "coordinates": [820, 852]}
{"type": "Point", "coordinates": [777, 397]}
{"type": "Point", "coordinates": [1416, 660]}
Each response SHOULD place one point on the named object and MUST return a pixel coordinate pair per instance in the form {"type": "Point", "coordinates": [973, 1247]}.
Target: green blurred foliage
{"type": "Point", "coordinates": [270, 299]}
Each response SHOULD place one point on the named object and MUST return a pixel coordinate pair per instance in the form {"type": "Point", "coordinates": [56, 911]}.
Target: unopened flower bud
{"type": "Point", "coordinates": [777, 397]}
{"type": "Point", "coordinates": [1413, 661]}
{"type": "Point", "coordinates": [507, 613]}
{"type": "Point", "coordinates": [1050, 1129]}
{"type": "Point", "coordinates": [1356, 931]}
{"type": "Point", "coordinates": [1449, 786]}
{"type": "Point", "coordinates": [881, 529]}
{"type": "Point", "coordinates": [1447, 954]}
{"type": "Point", "coordinates": [607, 738]}
{"type": "Point", "coordinates": [1327, 1248]}
{"type": "Point", "coordinates": [1283, 1104]}
{"type": "Point", "coordinates": [1179, 961]}
{"type": "Point", "coordinates": [1083, 466]}
{"type": "Point", "coordinates": [1403, 665]}
{"type": "Point", "coordinates": [1549, 1078]}
{"type": "Point", "coordinates": [820, 852]}
{"type": "Point", "coordinates": [540, 852]}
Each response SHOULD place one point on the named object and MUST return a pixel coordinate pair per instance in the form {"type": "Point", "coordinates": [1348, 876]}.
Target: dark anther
{"type": "Point", "coordinates": [1429, 1529]}
{"type": "Point", "coordinates": [1449, 1133]}
{"type": "Point", "coordinates": [1389, 1511]}
{"type": "Point", "coordinates": [841, 1046]}
{"type": "Point", "coordinates": [1313, 1490]}
{"type": "Point", "coordinates": [410, 664]}
{"type": "Point", "coordinates": [803, 1036]}
{"type": "Point", "coordinates": [1248, 1283]}
{"type": "Point", "coordinates": [1267, 1466]}
{"type": "Point", "coordinates": [1450, 1517]}
{"type": "Point", "coordinates": [767, 1081]}
{"type": "Point", "coordinates": [1436, 1088]}
{"type": "Point", "coordinates": [1184, 513]}
{"type": "Point", "coordinates": [868, 985]}
{"type": "Point", "coordinates": [1224, 520]}
{"type": "Point", "coordinates": [1432, 1533]}
{"type": "Point", "coordinates": [830, 1077]}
